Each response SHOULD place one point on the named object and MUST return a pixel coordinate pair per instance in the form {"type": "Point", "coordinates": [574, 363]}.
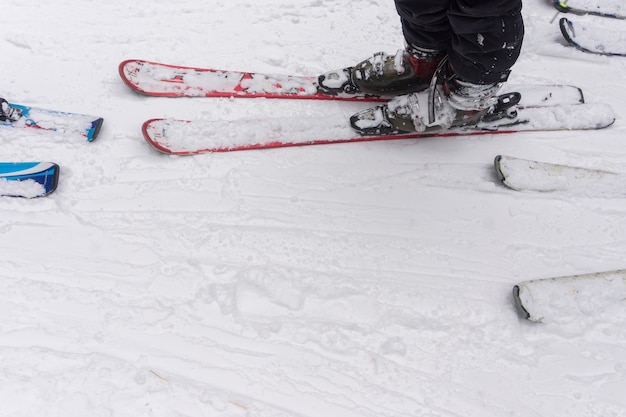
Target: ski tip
{"type": "Point", "coordinates": [94, 130]}
{"type": "Point", "coordinates": [127, 70]}
{"type": "Point", "coordinates": [129, 73]}
{"type": "Point", "coordinates": [155, 132]}
{"type": "Point", "coordinates": [151, 133]}
{"type": "Point", "coordinates": [129, 61]}
{"type": "Point", "coordinates": [54, 183]}
{"type": "Point", "coordinates": [48, 177]}
{"type": "Point", "coordinates": [44, 174]}
{"type": "Point", "coordinates": [519, 305]}
{"type": "Point", "coordinates": [129, 64]}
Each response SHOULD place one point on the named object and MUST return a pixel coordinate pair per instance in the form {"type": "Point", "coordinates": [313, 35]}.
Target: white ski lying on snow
{"type": "Point", "coordinates": [561, 299]}
{"type": "Point", "coordinates": [594, 39]}
{"type": "Point", "coordinates": [528, 175]}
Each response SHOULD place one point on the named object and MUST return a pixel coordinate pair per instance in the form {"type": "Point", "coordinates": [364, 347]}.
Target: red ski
{"type": "Point", "coordinates": [183, 137]}
{"type": "Point", "coordinates": [164, 80]}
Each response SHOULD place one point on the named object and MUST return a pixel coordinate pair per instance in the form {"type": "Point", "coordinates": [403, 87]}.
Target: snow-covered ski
{"type": "Point", "coordinates": [28, 179]}
{"type": "Point", "coordinates": [529, 175]}
{"type": "Point", "coordinates": [593, 39]}
{"type": "Point", "coordinates": [562, 299]}
{"type": "Point", "coordinates": [545, 111]}
{"type": "Point", "coordinates": [615, 9]}
{"type": "Point", "coordinates": [58, 121]}
{"type": "Point", "coordinates": [165, 80]}
{"type": "Point", "coordinates": [183, 137]}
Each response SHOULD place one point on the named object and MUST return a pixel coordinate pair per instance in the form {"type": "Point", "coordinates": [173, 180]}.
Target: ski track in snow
{"type": "Point", "coordinates": [369, 279]}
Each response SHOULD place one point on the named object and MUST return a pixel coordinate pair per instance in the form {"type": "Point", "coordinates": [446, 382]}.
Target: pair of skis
{"type": "Point", "coordinates": [541, 108]}
{"type": "Point", "coordinates": [590, 38]}
{"type": "Point", "coordinates": [39, 179]}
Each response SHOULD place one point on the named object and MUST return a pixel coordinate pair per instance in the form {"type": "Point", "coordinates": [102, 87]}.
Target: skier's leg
{"type": "Point", "coordinates": [425, 23]}
{"type": "Point", "coordinates": [486, 39]}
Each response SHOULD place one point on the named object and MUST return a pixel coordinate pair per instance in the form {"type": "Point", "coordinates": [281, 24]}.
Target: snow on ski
{"type": "Point", "coordinates": [561, 299]}
{"type": "Point", "coordinates": [529, 175]}
{"type": "Point", "coordinates": [183, 137]}
{"type": "Point", "coordinates": [593, 39]}
{"type": "Point", "coordinates": [57, 121]}
{"type": "Point", "coordinates": [165, 80]}
{"type": "Point", "coordinates": [603, 8]}
{"type": "Point", "coordinates": [28, 179]}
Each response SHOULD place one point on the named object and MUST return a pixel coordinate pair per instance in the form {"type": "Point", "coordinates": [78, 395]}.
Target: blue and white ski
{"type": "Point", "coordinates": [57, 121]}
{"type": "Point", "coordinates": [28, 179]}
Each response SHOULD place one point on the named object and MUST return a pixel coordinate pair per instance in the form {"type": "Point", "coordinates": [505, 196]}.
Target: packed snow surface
{"type": "Point", "coordinates": [355, 280]}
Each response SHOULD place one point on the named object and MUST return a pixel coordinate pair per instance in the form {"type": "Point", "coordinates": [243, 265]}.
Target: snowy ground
{"type": "Point", "coordinates": [356, 280]}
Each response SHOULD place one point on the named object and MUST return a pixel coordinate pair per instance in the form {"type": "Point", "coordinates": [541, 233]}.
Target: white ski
{"type": "Point", "coordinates": [594, 39]}
{"type": "Point", "coordinates": [528, 175]}
{"type": "Point", "coordinates": [561, 299]}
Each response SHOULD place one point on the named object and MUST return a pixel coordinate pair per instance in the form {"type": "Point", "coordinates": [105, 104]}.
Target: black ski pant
{"type": "Point", "coordinates": [483, 38]}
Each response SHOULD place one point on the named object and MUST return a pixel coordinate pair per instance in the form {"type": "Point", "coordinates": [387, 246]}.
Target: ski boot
{"type": "Point", "coordinates": [8, 113]}
{"type": "Point", "coordinates": [448, 102]}
{"type": "Point", "coordinates": [408, 71]}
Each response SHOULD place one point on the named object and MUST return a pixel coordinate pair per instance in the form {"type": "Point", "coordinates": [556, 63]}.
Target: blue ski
{"type": "Point", "coordinates": [57, 121]}
{"type": "Point", "coordinates": [28, 179]}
